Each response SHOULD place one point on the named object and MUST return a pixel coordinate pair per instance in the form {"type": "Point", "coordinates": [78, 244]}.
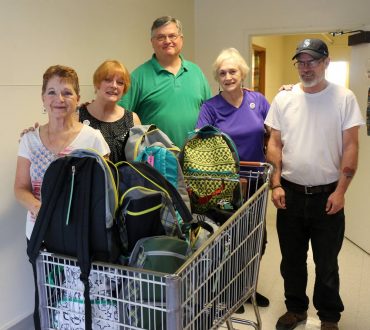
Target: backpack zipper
{"type": "Point", "coordinates": [70, 194]}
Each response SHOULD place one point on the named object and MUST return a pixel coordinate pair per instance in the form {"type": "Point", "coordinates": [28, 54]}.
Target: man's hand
{"type": "Point", "coordinates": [278, 197]}
{"type": "Point", "coordinates": [335, 203]}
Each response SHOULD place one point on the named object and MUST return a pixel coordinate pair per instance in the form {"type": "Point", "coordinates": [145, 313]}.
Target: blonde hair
{"type": "Point", "coordinates": [108, 69]}
{"type": "Point", "coordinates": [234, 55]}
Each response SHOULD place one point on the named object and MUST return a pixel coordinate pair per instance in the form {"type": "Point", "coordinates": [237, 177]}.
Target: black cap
{"type": "Point", "coordinates": [314, 47]}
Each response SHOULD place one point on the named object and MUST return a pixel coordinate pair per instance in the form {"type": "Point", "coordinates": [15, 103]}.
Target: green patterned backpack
{"type": "Point", "coordinates": [210, 164]}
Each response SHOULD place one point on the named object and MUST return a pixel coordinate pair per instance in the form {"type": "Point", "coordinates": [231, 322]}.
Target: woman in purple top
{"type": "Point", "coordinates": [236, 111]}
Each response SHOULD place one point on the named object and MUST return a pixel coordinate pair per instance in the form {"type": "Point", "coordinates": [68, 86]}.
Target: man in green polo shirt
{"type": "Point", "coordinates": [167, 90]}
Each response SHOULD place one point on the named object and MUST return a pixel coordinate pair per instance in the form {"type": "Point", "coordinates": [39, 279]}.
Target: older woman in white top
{"type": "Point", "coordinates": [59, 136]}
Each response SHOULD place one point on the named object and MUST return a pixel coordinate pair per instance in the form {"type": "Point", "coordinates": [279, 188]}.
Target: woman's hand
{"type": "Point", "coordinates": [29, 129]}
{"type": "Point", "coordinates": [288, 87]}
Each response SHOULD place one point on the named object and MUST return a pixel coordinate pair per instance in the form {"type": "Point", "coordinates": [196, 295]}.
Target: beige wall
{"type": "Point", "coordinates": [35, 34]}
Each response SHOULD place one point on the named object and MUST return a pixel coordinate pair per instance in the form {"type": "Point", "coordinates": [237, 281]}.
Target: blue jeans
{"type": "Point", "coordinates": [303, 220]}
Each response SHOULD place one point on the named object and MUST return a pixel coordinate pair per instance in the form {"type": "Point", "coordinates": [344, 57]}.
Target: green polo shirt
{"type": "Point", "coordinates": [169, 101]}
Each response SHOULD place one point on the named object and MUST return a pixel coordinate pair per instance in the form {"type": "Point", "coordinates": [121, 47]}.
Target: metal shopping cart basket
{"type": "Point", "coordinates": [203, 294]}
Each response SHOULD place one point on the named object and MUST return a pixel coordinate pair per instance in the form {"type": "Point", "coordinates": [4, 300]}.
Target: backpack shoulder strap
{"type": "Point", "coordinates": [41, 225]}
{"type": "Point", "coordinates": [83, 236]}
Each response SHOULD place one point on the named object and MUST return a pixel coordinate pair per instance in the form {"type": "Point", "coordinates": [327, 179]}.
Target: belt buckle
{"type": "Point", "coordinates": [307, 191]}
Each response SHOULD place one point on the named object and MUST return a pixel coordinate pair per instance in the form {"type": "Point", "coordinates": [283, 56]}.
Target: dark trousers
{"type": "Point", "coordinates": [302, 221]}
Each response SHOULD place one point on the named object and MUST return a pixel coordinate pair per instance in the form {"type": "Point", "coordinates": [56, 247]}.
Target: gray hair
{"type": "Point", "coordinates": [230, 54]}
{"type": "Point", "coordinates": [163, 21]}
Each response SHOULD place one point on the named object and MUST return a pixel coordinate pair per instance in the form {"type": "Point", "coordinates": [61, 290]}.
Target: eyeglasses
{"type": "Point", "coordinates": [163, 37]}
{"type": "Point", "coordinates": [309, 64]}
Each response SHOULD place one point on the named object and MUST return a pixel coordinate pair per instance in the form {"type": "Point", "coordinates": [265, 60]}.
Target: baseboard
{"type": "Point", "coordinates": [24, 324]}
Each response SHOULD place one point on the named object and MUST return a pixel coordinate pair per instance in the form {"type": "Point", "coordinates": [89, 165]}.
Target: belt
{"type": "Point", "coordinates": [310, 190]}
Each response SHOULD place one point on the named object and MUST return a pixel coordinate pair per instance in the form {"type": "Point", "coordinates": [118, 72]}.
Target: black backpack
{"type": "Point", "coordinates": [76, 218]}
{"type": "Point", "coordinates": [149, 205]}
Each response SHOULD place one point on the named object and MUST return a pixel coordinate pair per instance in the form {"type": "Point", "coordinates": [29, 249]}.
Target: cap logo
{"type": "Point", "coordinates": [306, 43]}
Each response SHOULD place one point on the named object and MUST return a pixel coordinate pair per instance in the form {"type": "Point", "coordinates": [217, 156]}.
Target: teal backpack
{"type": "Point", "coordinates": [166, 163]}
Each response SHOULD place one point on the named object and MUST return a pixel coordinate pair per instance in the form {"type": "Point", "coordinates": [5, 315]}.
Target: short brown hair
{"type": "Point", "coordinates": [108, 69]}
{"type": "Point", "coordinates": [66, 74]}
{"type": "Point", "coordinates": [165, 20]}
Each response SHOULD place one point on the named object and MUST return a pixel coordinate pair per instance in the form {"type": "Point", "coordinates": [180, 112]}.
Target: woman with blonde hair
{"type": "Point", "coordinates": [238, 112]}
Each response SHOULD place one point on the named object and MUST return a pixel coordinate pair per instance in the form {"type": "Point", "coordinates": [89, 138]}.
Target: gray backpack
{"type": "Point", "coordinates": [142, 136]}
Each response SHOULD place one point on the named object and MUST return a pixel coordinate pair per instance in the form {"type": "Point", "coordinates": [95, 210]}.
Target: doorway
{"type": "Point", "coordinates": [258, 68]}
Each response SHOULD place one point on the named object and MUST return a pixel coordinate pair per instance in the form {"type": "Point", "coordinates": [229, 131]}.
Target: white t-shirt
{"type": "Point", "coordinates": [32, 148]}
{"type": "Point", "coordinates": [311, 127]}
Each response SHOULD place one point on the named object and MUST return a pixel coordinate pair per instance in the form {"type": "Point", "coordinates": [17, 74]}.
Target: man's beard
{"type": "Point", "coordinates": [308, 83]}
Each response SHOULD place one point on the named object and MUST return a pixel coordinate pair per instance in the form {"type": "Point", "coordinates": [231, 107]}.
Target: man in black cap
{"type": "Point", "coordinates": [314, 149]}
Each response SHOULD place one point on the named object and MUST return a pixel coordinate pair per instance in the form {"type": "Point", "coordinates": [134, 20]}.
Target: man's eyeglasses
{"type": "Point", "coordinates": [308, 64]}
{"type": "Point", "coordinates": [163, 37]}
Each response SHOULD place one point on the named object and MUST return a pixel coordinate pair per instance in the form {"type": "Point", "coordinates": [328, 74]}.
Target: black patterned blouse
{"type": "Point", "coordinates": [115, 133]}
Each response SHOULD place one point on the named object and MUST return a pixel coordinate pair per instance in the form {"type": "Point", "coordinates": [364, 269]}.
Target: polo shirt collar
{"type": "Point", "coordinates": [158, 68]}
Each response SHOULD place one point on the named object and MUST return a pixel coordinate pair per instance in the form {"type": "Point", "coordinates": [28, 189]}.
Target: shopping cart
{"type": "Point", "coordinates": [203, 294]}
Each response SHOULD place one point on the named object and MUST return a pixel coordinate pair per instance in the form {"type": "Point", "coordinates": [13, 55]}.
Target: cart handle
{"type": "Point", "coordinates": [246, 163]}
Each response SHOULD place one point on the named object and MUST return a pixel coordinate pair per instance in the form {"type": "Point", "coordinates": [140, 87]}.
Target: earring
{"type": "Point", "coordinates": [43, 110]}
{"type": "Point", "coordinates": [219, 89]}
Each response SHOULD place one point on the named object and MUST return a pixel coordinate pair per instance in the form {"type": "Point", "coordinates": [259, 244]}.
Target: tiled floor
{"type": "Point", "coordinates": [355, 286]}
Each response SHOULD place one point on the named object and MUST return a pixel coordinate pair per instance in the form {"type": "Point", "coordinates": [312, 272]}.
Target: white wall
{"type": "Point", "coordinates": [233, 23]}
{"type": "Point", "coordinates": [35, 34]}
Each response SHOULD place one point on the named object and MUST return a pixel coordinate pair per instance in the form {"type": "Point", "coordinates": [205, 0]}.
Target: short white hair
{"type": "Point", "coordinates": [230, 54]}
